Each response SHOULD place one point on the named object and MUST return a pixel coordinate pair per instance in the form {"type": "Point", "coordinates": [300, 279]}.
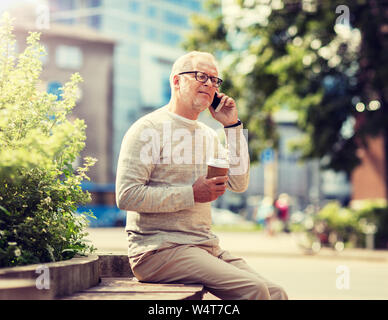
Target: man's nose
{"type": "Point", "coordinates": [208, 80]}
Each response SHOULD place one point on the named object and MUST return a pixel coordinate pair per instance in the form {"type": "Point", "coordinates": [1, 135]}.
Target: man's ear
{"type": "Point", "coordinates": [175, 81]}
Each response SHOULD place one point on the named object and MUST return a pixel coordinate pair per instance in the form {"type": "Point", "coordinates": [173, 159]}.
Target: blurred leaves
{"type": "Point", "coordinates": [305, 57]}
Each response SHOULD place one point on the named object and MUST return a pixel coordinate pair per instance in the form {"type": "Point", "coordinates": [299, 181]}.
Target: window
{"type": "Point", "coordinates": [133, 28]}
{"type": "Point", "coordinates": [151, 12]}
{"type": "Point", "coordinates": [172, 39]}
{"type": "Point", "coordinates": [194, 5]}
{"type": "Point", "coordinates": [134, 6]}
{"type": "Point", "coordinates": [174, 18]}
{"type": "Point", "coordinates": [190, 4]}
{"type": "Point", "coordinates": [175, 1]}
{"type": "Point", "coordinates": [94, 3]}
{"type": "Point", "coordinates": [95, 21]}
{"type": "Point", "coordinates": [68, 57]}
{"type": "Point", "coordinates": [62, 5]}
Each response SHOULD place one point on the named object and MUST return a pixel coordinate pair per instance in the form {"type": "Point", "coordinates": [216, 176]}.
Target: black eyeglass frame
{"type": "Point", "coordinates": [217, 85]}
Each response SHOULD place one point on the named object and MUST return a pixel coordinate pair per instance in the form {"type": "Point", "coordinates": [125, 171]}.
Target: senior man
{"type": "Point", "coordinates": [161, 183]}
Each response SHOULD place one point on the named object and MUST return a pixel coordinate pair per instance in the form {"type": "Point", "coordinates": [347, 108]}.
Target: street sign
{"type": "Point", "coordinates": [267, 155]}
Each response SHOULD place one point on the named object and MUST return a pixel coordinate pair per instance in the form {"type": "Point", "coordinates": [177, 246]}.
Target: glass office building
{"type": "Point", "coordinates": [148, 34]}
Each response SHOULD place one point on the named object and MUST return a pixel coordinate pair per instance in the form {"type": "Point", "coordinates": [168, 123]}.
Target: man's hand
{"type": "Point", "coordinates": [228, 114]}
{"type": "Point", "coordinates": [206, 190]}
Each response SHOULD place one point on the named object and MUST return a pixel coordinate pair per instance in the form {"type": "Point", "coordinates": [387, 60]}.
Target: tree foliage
{"type": "Point", "coordinates": [39, 189]}
{"type": "Point", "coordinates": [311, 57]}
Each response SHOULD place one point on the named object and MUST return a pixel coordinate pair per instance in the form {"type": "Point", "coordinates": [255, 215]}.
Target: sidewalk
{"type": "Point", "coordinates": [113, 240]}
{"type": "Point", "coordinates": [285, 245]}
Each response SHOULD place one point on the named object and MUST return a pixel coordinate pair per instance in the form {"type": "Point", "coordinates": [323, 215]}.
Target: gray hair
{"type": "Point", "coordinates": [185, 63]}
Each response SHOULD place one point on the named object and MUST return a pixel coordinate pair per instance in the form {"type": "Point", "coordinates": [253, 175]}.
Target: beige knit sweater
{"type": "Point", "coordinates": [161, 156]}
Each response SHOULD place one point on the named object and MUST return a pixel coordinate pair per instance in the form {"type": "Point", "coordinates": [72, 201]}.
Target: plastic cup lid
{"type": "Point", "coordinates": [219, 163]}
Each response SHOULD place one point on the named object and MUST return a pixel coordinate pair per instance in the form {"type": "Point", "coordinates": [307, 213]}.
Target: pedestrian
{"type": "Point", "coordinates": [282, 205]}
{"type": "Point", "coordinates": [266, 214]}
{"type": "Point", "coordinates": [161, 183]}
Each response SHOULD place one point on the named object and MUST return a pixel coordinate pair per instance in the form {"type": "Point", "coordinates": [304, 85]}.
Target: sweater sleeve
{"type": "Point", "coordinates": [238, 159]}
{"type": "Point", "coordinates": [137, 159]}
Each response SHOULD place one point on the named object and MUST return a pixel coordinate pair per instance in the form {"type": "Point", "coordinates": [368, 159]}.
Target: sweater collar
{"type": "Point", "coordinates": [177, 116]}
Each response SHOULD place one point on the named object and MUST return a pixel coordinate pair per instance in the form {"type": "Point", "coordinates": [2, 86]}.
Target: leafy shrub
{"type": "Point", "coordinates": [341, 220]}
{"type": "Point", "coordinates": [39, 189]}
{"type": "Point", "coordinates": [372, 213]}
{"type": "Point", "coordinates": [370, 216]}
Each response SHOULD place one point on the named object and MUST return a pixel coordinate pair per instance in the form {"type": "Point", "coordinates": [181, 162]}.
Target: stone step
{"type": "Point", "coordinates": [61, 278]}
{"type": "Point", "coordinates": [22, 289]}
{"type": "Point", "coordinates": [131, 289]}
{"type": "Point", "coordinates": [78, 279]}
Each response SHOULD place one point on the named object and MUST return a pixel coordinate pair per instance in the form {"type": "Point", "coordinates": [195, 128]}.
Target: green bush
{"type": "Point", "coordinates": [372, 213]}
{"type": "Point", "coordinates": [39, 189]}
{"type": "Point", "coordinates": [370, 216]}
{"type": "Point", "coordinates": [341, 220]}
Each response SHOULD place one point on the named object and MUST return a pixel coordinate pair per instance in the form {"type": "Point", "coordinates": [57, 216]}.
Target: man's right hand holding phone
{"type": "Point", "coordinates": [226, 110]}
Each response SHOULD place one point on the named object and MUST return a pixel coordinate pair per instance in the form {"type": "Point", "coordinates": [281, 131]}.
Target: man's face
{"type": "Point", "coordinates": [199, 94]}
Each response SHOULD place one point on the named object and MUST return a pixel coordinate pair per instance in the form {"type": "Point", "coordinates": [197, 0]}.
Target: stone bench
{"type": "Point", "coordinates": [47, 281]}
{"type": "Point", "coordinates": [103, 277]}
{"type": "Point", "coordinates": [118, 283]}
{"type": "Point", "coordinates": [17, 289]}
{"type": "Point", "coordinates": [131, 289]}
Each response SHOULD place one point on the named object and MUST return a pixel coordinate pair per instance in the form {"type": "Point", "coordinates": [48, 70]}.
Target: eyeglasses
{"type": "Point", "coordinates": [203, 77]}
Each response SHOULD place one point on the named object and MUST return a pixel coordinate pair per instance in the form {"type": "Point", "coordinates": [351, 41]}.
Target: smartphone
{"type": "Point", "coordinates": [216, 103]}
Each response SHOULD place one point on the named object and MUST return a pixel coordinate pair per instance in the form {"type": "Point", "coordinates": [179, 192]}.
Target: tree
{"type": "Point", "coordinates": [323, 59]}
{"type": "Point", "coordinates": [39, 189]}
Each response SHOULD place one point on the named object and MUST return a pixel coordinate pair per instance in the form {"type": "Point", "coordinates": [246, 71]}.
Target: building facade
{"type": "Point", "coordinates": [72, 49]}
{"type": "Point", "coordinates": [148, 34]}
{"type": "Point", "coordinates": [370, 177]}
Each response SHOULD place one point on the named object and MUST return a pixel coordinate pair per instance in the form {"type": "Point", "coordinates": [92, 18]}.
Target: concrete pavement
{"type": "Point", "coordinates": [113, 240]}
{"type": "Point", "coordinates": [278, 258]}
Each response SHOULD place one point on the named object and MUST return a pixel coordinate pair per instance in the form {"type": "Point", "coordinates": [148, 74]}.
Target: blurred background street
{"type": "Point", "coordinates": [314, 141]}
{"type": "Point", "coordinates": [280, 259]}
{"type": "Point", "coordinates": [310, 82]}
{"type": "Point", "coordinates": [309, 79]}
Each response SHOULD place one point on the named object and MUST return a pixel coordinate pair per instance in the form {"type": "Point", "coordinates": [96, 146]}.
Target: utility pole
{"type": "Point", "coordinates": [270, 164]}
